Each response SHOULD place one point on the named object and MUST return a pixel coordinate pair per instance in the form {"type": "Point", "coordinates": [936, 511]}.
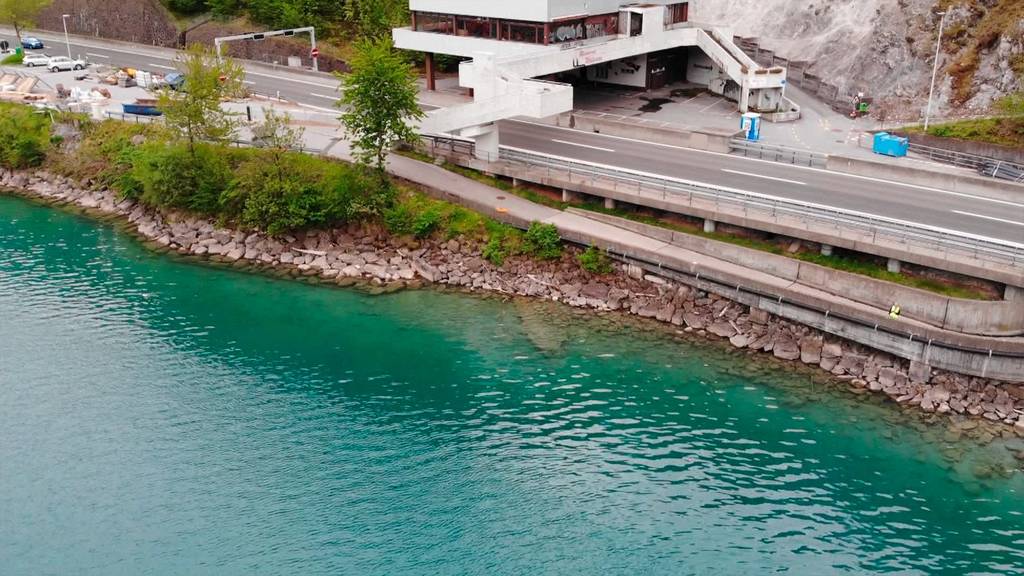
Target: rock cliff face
{"type": "Point", "coordinates": [141, 21]}
{"type": "Point", "coordinates": [886, 48]}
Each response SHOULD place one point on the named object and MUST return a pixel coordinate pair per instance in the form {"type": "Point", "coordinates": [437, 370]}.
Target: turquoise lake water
{"type": "Point", "coordinates": [161, 417]}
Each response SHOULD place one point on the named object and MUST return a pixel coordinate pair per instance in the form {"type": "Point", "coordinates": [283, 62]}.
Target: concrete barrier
{"type": "Point", "coordinates": [980, 317]}
{"type": "Point", "coordinates": [709, 140]}
{"type": "Point", "coordinates": [1007, 153]}
{"type": "Point", "coordinates": [893, 170]}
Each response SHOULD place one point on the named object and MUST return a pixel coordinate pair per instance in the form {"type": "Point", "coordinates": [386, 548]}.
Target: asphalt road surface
{"type": "Point", "coordinates": [963, 213]}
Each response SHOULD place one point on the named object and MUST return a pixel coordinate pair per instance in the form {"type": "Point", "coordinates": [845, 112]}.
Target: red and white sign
{"type": "Point", "coordinates": [315, 52]}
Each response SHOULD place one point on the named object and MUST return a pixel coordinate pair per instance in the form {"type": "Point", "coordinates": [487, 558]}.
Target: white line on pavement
{"type": "Point", "coordinates": [762, 176]}
{"type": "Point", "coordinates": [583, 145]}
{"type": "Point", "coordinates": [291, 79]}
{"type": "Point", "coordinates": [324, 96]}
{"type": "Point", "coordinates": [993, 218]}
{"type": "Point", "coordinates": [162, 66]}
{"type": "Point", "coordinates": [311, 107]}
{"type": "Point", "coordinates": [96, 55]}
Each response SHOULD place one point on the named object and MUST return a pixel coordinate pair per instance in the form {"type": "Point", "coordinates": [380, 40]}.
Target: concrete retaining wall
{"type": "Point", "coordinates": [988, 318]}
{"type": "Point", "coordinates": [710, 140]}
{"type": "Point", "coordinates": [892, 170]}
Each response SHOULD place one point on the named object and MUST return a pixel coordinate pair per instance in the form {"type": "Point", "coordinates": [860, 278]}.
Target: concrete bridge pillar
{"type": "Point", "coordinates": [569, 196]}
{"type": "Point", "coordinates": [894, 266]}
{"type": "Point", "coordinates": [826, 250]}
{"type": "Point", "coordinates": [486, 143]}
{"type": "Point", "coordinates": [609, 203]}
{"type": "Point", "coordinates": [1013, 294]}
{"type": "Point", "coordinates": [709, 226]}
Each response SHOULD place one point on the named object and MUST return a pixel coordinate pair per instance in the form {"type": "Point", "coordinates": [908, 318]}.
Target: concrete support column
{"type": "Point", "coordinates": [486, 145]}
{"type": "Point", "coordinates": [569, 196]}
{"type": "Point", "coordinates": [894, 266]}
{"type": "Point", "coordinates": [515, 182]}
{"type": "Point", "coordinates": [709, 226]}
{"type": "Point", "coordinates": [826, 250]}
{"type": "Point", "coordinates": [744, 98]}
{"type": "Point", "coordinates": [431, 75]}
{"type": "Point", "coordinates": [1013, 294]}
{"type": "Point", "coordinates": [609, 203]}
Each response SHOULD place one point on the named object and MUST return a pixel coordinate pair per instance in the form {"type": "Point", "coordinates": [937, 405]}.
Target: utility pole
{"type": "Point", "coordinates": [67, 40]}
{"type": "Point", "coordinates": [935, 70]}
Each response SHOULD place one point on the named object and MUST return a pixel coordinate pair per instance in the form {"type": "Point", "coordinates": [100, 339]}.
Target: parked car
{"type": "Point", "coordinates": [31, 43]}
{"type": "Point", "coordinates": [174, 80]}
{"type": "Point", "coordinates": [59, 63]}
{"type": "Point", "coordinates": [33, 60]}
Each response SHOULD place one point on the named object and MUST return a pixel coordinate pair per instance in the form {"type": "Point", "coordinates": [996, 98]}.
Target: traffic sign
{"type": "Point", "coordinates": [4, 45]}
{"type": "Point", "coordinates": [314, 52]}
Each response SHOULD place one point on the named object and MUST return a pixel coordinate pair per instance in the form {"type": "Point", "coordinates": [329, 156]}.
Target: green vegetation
{"type": "Point", "coordinates": [380, 96]}
{"type": "Point", "coordinates": [24, 136]}
{"type": "Point", "coordinates": [13, 59]}
{"type": "Point", "coordinates": [595, 261]}
{"type": "Point", "coordinates": [543, 241]}
{"type": "Point", "coordinates": [195, 111]}
{"type": "Point", "coordinates": [21, 13]}
{"type": "Point", "coordinates": [1005, 130]}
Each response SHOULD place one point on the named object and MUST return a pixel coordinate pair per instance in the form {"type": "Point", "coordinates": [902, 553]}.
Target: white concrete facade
{"type": "Point", "coordinates": [504, 73]}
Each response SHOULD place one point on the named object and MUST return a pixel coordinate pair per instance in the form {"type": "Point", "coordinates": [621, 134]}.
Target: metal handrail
{"type": "Point", "coordinates": [777, 153]}
{"type": "Point", "coordinates": [921, 235]}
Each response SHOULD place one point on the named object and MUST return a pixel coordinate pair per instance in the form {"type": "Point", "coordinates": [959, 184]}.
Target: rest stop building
{"type": "Point", "coordinates": [518, 47]}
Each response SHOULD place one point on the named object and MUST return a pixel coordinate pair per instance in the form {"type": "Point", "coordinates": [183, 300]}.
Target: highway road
{"type": "Point", "coordinates": [965, 213]}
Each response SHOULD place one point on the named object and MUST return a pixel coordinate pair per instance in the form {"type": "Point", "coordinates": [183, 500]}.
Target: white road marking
{"type": "Point", "coordinates": [993, 218]}
{"type": "Point", "coordinates": [311, 107]}
{"type": "Point", "coordinates": [290, 79]}
{"type": "Point", "coordinates": [323, 96]}
{"type": "Point", "coordinates": [583, 145]}
{"type": "Point", "coordinates": [774, 164]}
{"type": "Point", "coordinates": [162, 66]}
{"type": "Point", "coordinates": [771, 197]}
{"type": "Point", "coordinates": [762, 176]}
{"type": "Point", "coordinates": [96, 55]}
{"type": "Point", "coordinates": [250, 82]}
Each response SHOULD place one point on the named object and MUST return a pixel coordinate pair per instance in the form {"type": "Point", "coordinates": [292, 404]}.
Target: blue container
{"type": "Point", "coordinates": [750, 124]}
{"type": "Point", "coordinates": [889, 145]}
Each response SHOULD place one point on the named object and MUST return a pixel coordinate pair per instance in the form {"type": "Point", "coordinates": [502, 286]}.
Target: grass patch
{"type": "Point", "coordinates": [1001, 131]}
{"type": "Point", "coordinates": [13, 59]}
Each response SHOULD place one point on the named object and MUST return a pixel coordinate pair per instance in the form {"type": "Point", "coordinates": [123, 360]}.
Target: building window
{"type": "Point", "coordinates": [475, 27]}
{"type": "Point", "coordinates": [523, 32]}
{"type": "Point", "coordinates": [604, 25]}
{"type": "Point", "coordinates": [636, 24]}
{"type": "Point", "coordinates": [677, 13]}
{"type": "Point", "coordinates": [432, 22]}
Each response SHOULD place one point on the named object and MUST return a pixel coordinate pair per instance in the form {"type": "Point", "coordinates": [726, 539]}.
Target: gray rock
{"type": "Point", "coordinates": [740, 340]}
{"type": "Point", "coordinates": [786, 349]}
{"type": "Point", "coordinates": [920, 372]}
{"type": "Point", "coordinates": [694, 321]}
{"type": "Point", "coordinates": [831, 350]}
{"type": "Point", "coordinates": [759, 316]}
{"type": "Point", "coordinates": [851, 364]}
{"type": "Point", "coordinates": [722, 329]}
{"type": "Point", "coordinates": [890, 377]}
{"type": "Point", "coordinates": [425, 270]}
{"type": "Point", "coordinates": [595, 290]}
{"type": "Point", "coordinates": [810, 349]}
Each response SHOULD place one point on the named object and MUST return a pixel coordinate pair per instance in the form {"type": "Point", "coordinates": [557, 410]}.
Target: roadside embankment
{"type": "Point", "coordinates": [367, 253]}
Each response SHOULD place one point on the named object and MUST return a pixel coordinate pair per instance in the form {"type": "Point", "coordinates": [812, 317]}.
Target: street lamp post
{"type": "Point", "coordinates": [935, 70]}
{"type": "Point", "coordinates": [67, 40]}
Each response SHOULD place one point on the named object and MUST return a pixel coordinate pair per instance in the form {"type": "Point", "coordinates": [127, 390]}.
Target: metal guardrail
{"type": "Point", "coordinates": [983, 165]}
{"type": "Point", "coordinates": [919, 236]}
{"type": "Point", "coordinates": [776, 153]}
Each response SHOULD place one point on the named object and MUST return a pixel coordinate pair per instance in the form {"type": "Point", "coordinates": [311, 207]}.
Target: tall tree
{"type": "Point", "coordinates": [194, 112]}
{"type": "Point", "coordinates": [376, 18]}
{"type": "Point", "coordinates": [379, 99]}
{"type": "Point", "coordinates": [21, 13]}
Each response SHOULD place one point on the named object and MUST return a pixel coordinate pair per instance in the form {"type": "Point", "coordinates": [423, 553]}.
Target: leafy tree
{"type": "Point", "coordinates": [21, 13]}
{"type": "Point", "coordinates": [380, 101]}
{"type": "Point", "coordinates": [194, 112]}
{"type": "Point", "coordinates": [376, 18]}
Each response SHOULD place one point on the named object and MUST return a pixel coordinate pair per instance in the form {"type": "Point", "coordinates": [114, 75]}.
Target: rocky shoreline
{"type": "Point", "coordinates": [366, 254]}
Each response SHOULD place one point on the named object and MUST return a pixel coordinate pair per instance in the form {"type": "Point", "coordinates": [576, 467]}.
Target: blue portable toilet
{"type": "Point", "coordinates": [890, 145]}
{"type": "Point", "coordinates": [750, 124]}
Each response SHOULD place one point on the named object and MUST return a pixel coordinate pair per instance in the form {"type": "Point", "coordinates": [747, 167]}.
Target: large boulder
{"type": "Point", "coordinates": [786, 349]}
{"type": "Point", "coordinates": [810, 349]}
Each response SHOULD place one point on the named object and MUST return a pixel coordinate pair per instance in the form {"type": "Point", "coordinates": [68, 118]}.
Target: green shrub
{"type": "Point", "coordinates": [494, 251]}
{"type": "Point", "coordinates": [172, 176]}
{"type": "Point", "coordinates": [400, 219]}
{"type": "Point", "coordinates": [427, 222]}
{"type": "Point", "coordinates": [543, 241]}
{"type": "Point", "coordinates": [24, 136]}
{"type": "Point", "coordinates": [13, 59]}
{"type": "Point", "coordinates": [595, 261]}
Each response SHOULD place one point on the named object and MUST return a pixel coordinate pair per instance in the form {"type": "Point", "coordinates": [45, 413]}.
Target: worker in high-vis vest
{"type": "Point", "coordinates": [894, 312]}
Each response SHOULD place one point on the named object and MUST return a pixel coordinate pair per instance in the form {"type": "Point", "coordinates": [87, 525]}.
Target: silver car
{"type": "Point", "coordinates": [63, 63]}
{"type": "Point", "coordinates": [33, 60]}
